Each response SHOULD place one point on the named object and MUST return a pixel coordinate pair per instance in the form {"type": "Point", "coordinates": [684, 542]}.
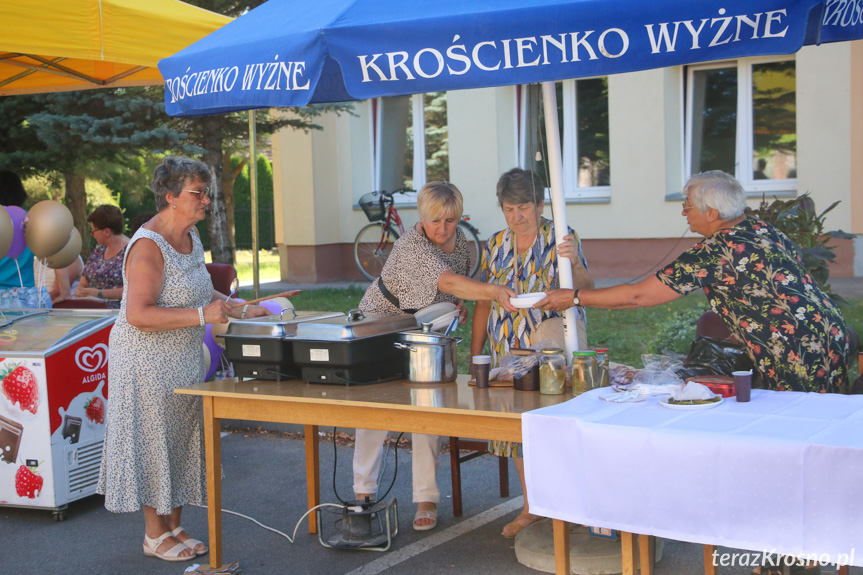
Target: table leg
{"type": "Point", "coordinates": [709, 565]}
{"type": "Point", "coordinates": [627, 551]}
{"type": "Point", "coordinates": [313, 480]}
{"type": "Point", "coordinates": [646, 550]}
{"type": "Point", "coordinates": [561, 546]}
{"type": "Point", "coordinates": [213, 449]}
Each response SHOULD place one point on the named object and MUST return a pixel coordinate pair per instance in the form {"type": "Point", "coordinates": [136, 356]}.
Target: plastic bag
{"type": "Point", "coordinates": [658, 370]}
{"type": "Point", "coordinates": [519, 365]}
{"type": "Point", "coordinates": [710, 356]}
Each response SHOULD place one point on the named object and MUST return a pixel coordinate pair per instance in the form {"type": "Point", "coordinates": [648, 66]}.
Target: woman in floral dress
{"type": "Point", "coordinates": [103, 274]}
{"type": "Point", "coordinates": [754, 279]}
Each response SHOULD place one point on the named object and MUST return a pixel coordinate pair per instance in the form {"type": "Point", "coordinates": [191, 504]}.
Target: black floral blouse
{"type": "Point", "coordinates": [755, 280]}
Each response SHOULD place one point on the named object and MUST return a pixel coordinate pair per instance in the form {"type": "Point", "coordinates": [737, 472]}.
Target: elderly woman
{"type": "Point", "coordinates": [428, 265]}
{"type": "Point", "coordinates": [524, 257]}
{"type": "Point", "coordinates": [153, 456]}
{"type": "Point", "coordinates": [754, 279]}
{"type": "Point", "coordinates": [103, 274]}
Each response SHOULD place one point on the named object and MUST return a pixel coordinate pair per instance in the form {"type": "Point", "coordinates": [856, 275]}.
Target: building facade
{"type": "Point", "coordinates": [783, 125]}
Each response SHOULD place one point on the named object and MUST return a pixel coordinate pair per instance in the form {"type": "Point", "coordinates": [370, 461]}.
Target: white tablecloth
{"type": "Point", "coordinates": [783, 472]}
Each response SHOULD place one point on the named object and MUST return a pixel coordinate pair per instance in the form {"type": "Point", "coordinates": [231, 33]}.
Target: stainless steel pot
{"type": "Point", "coordinates": [429, 356]}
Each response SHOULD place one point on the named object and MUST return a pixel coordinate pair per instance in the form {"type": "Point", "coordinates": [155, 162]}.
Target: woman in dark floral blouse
{"type": "Point", "coordinates": [103, 274]}
{"type": "Point", "coordinates": [754, 279]}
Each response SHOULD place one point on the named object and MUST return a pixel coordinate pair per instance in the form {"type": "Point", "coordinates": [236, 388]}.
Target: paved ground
{"type": "Point", "coordinates": [264, 479]}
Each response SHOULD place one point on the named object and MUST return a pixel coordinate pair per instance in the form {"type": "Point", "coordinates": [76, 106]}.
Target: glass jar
{"type": "Point", "coordinates": [552, 371]}
{"type": "Point", "coordinates": [585, 374]}
{"type": "Point", "coordinates": [602, 366]}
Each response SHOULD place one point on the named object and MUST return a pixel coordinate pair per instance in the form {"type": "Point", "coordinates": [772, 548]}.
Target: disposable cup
{"type": "Point", "coordinates": [481, 368]}
{"type": "Point", "coordinates": [742, 385]}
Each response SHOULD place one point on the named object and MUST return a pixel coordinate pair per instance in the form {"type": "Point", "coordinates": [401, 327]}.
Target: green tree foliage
{"type": "Point", "coordinates": [243, 206]}
{"type": "Point", "coordinates": [436, 140]}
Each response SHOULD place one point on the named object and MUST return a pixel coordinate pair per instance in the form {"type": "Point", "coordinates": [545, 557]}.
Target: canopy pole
{"type": "Point", "coordinates": [558, 207]}
{"type": "Point", "coordinates": [253, 183]}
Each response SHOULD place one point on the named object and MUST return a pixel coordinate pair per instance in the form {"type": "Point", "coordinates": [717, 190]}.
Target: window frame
{"type": "Point", "coordinates": [744, 125]}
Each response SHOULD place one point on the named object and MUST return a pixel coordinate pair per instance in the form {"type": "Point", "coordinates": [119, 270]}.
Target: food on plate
{"type": "Point", "coordinates": [621, 375]}
{"type": "Point", "coordinates": [673, 401]}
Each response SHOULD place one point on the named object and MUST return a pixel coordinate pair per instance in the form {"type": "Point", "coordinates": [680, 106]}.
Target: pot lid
{"type": "Point", "coordinates": [273, 326]}
{"type": "Point", "coordinates": [426, 335]}
{"type": "Point", "coordinates": [355, 325]}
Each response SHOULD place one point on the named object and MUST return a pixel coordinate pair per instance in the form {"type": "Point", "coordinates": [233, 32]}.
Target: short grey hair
{"type": "Point", "coordinates": [435, 198]}
{"type": "Point", "coordinates": [718, 190]}
{"type": "Point", "coordinates": [173, 174]}
{"type": "Point", "coordinates": [519, 186]}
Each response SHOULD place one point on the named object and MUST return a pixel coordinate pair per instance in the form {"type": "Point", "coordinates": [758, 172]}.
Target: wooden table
{"type": "Point", "coordinates": [447, 409]}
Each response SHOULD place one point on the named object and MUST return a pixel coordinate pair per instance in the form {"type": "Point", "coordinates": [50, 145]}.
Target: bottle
{"type": "Point", "coordinates": [602, 366]}
{"type": "Point", "coordinates": [584, 371]}
{"type": "Point", "coordinates": [552, 371]}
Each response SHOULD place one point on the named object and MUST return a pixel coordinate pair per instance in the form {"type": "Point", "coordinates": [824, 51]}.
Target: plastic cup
{"type": "Point", "coordinates": [742, 385]}
{"type": "Point", "coordinates": [481, 367]}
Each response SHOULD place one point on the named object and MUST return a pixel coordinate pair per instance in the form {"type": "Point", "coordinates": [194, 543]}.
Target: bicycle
{"type": "Point", "coordinates": [375, 240]}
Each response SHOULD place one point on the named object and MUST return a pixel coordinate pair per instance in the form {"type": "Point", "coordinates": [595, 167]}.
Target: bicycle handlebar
{"type": "Point", "coordinates": [389, 195]}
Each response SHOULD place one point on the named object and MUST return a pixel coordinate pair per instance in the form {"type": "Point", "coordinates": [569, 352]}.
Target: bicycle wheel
{"type": "Point", "coordinates": [372, 247]}
{"type": "Point", "coordinates": [473, 245]}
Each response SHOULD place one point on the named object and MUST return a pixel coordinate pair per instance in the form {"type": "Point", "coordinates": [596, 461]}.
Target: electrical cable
{"type": "Point", "coordinates": [267, 527]}
{"type": "Point", "coordinates": [375, 499]}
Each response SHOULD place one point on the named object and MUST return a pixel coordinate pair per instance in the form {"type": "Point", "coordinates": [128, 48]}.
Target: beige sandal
{"type": "Point", "coordinates": [425, 515]}
{"type": "Point", "coordinates": [172, 554]}
{"type": "Point", "coordinates": [190, 543]}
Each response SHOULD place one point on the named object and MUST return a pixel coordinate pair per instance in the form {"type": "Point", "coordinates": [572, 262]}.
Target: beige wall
{"type": "Point", "coordinates": [320, 175]}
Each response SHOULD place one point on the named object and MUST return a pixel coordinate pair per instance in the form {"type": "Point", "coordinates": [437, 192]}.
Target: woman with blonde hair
{"type": "Point", "coordinates": [428, 265]}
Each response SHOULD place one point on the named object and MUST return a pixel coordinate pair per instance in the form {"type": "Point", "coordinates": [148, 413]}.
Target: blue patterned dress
{"type": "Point", "coordinates": [537, 271]}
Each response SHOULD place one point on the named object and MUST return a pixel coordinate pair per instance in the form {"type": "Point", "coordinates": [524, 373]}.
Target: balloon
{"type": "Point", "coordinates": [7, 234]}
{"type": "Point", "coordinates": [68, 254]}
{"type": "Point", "coordinates": [206, 360]}
{"type": "Point", "coordinates": [277, 304]}
{"type": "Point", "coordinates": [214, 350]}
{"type": "Point", "coordinates": [18, 244]}
{"type": "Point", "coordinates": [47, 228]}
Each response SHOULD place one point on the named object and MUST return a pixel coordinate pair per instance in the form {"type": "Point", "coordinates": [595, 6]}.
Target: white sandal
{"type": "Point", "coordinates": [172, 554]}
{"type": "Point", "coordinates": [189, 542]}
{"type": "Point", "coordinates": [425, 515]}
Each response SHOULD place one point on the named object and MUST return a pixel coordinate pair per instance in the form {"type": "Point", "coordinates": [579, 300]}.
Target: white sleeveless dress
{"type": "Point", "coordinates": [154, 446]}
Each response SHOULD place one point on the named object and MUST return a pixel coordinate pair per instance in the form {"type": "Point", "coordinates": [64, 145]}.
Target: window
{"type": "Point", "coordinates": [582, 108]}
{"type": "Point", "coordinates": [741, 118]}
{"type": "Point", "coordinates": [403, 158]}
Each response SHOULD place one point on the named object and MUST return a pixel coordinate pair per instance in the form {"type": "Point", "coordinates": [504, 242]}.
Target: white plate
{"type": "Point", "coordinates": [611, 398]}
{"type": "Point", "coordinates": [526, 300]}
{"type": "Point", "coordinates": [434, 311]}
{"type": "Point", "coordinates": [663, 401]}
{"type": "Point", "coordinates": [441, 322]}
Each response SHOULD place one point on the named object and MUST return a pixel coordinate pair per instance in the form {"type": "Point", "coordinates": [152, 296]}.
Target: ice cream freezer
{"type": "Point", "coordinates": [53, 402]}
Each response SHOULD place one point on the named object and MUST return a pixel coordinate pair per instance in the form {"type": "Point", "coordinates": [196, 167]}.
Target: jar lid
{"type": "Point", "coordinates": [584, 352]}
{"type": "Point", "coordinates": [552, 350]}
{"type": "Point", "coordinates": [600, 349]}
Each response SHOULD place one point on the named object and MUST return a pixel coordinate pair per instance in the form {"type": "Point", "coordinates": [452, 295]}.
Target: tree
{"type": "Point", "coordinates": [81, 134]}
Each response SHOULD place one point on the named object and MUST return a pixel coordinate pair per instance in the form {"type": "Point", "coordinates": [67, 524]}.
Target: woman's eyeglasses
{"type": "Point", "coordinates": [94, 230]}
{"type": "Point", "coordinates": [205, 193]}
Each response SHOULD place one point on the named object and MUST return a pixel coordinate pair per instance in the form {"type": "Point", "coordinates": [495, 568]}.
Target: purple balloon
{"type": "Point", "coordinates": [215, 352]}
{"type": "Point", "coordinates": [271, 306]}
{"type": "Point", "coordinates": [18, 243]}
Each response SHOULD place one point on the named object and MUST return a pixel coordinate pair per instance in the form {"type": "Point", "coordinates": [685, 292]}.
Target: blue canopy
{"type": "Point", "coordinates": [289, 53]}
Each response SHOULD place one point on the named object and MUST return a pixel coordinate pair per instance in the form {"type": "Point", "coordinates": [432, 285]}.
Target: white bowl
{"type": "Point", "coordinates": [526, 300]}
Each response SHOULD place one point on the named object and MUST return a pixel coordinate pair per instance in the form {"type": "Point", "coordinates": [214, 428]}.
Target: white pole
{"type": "Point", "coordinates": [558, 207]}
{"type": "Point", "coordinates": [253, 184]}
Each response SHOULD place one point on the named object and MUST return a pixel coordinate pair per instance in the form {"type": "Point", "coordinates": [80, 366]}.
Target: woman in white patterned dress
{"type": "Point", "coordinates": [153, 457]}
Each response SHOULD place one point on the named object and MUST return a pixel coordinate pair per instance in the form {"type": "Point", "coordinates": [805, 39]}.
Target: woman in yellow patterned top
{"type": "Point", "coordinates": [524, 258]}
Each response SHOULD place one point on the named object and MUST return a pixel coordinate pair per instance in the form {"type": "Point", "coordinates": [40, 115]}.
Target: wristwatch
{"type": "Point", "coordinates": [99, 295]}
{"type": "Point", "coordinates": [575, 299]}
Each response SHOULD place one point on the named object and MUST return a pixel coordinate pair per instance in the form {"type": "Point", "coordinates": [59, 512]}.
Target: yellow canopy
{"type": "Point", "coordinates": [60, 45]}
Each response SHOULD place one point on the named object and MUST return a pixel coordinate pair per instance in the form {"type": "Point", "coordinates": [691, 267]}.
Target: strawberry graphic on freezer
{"type": "Point", "coordinates": [53, 406]}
